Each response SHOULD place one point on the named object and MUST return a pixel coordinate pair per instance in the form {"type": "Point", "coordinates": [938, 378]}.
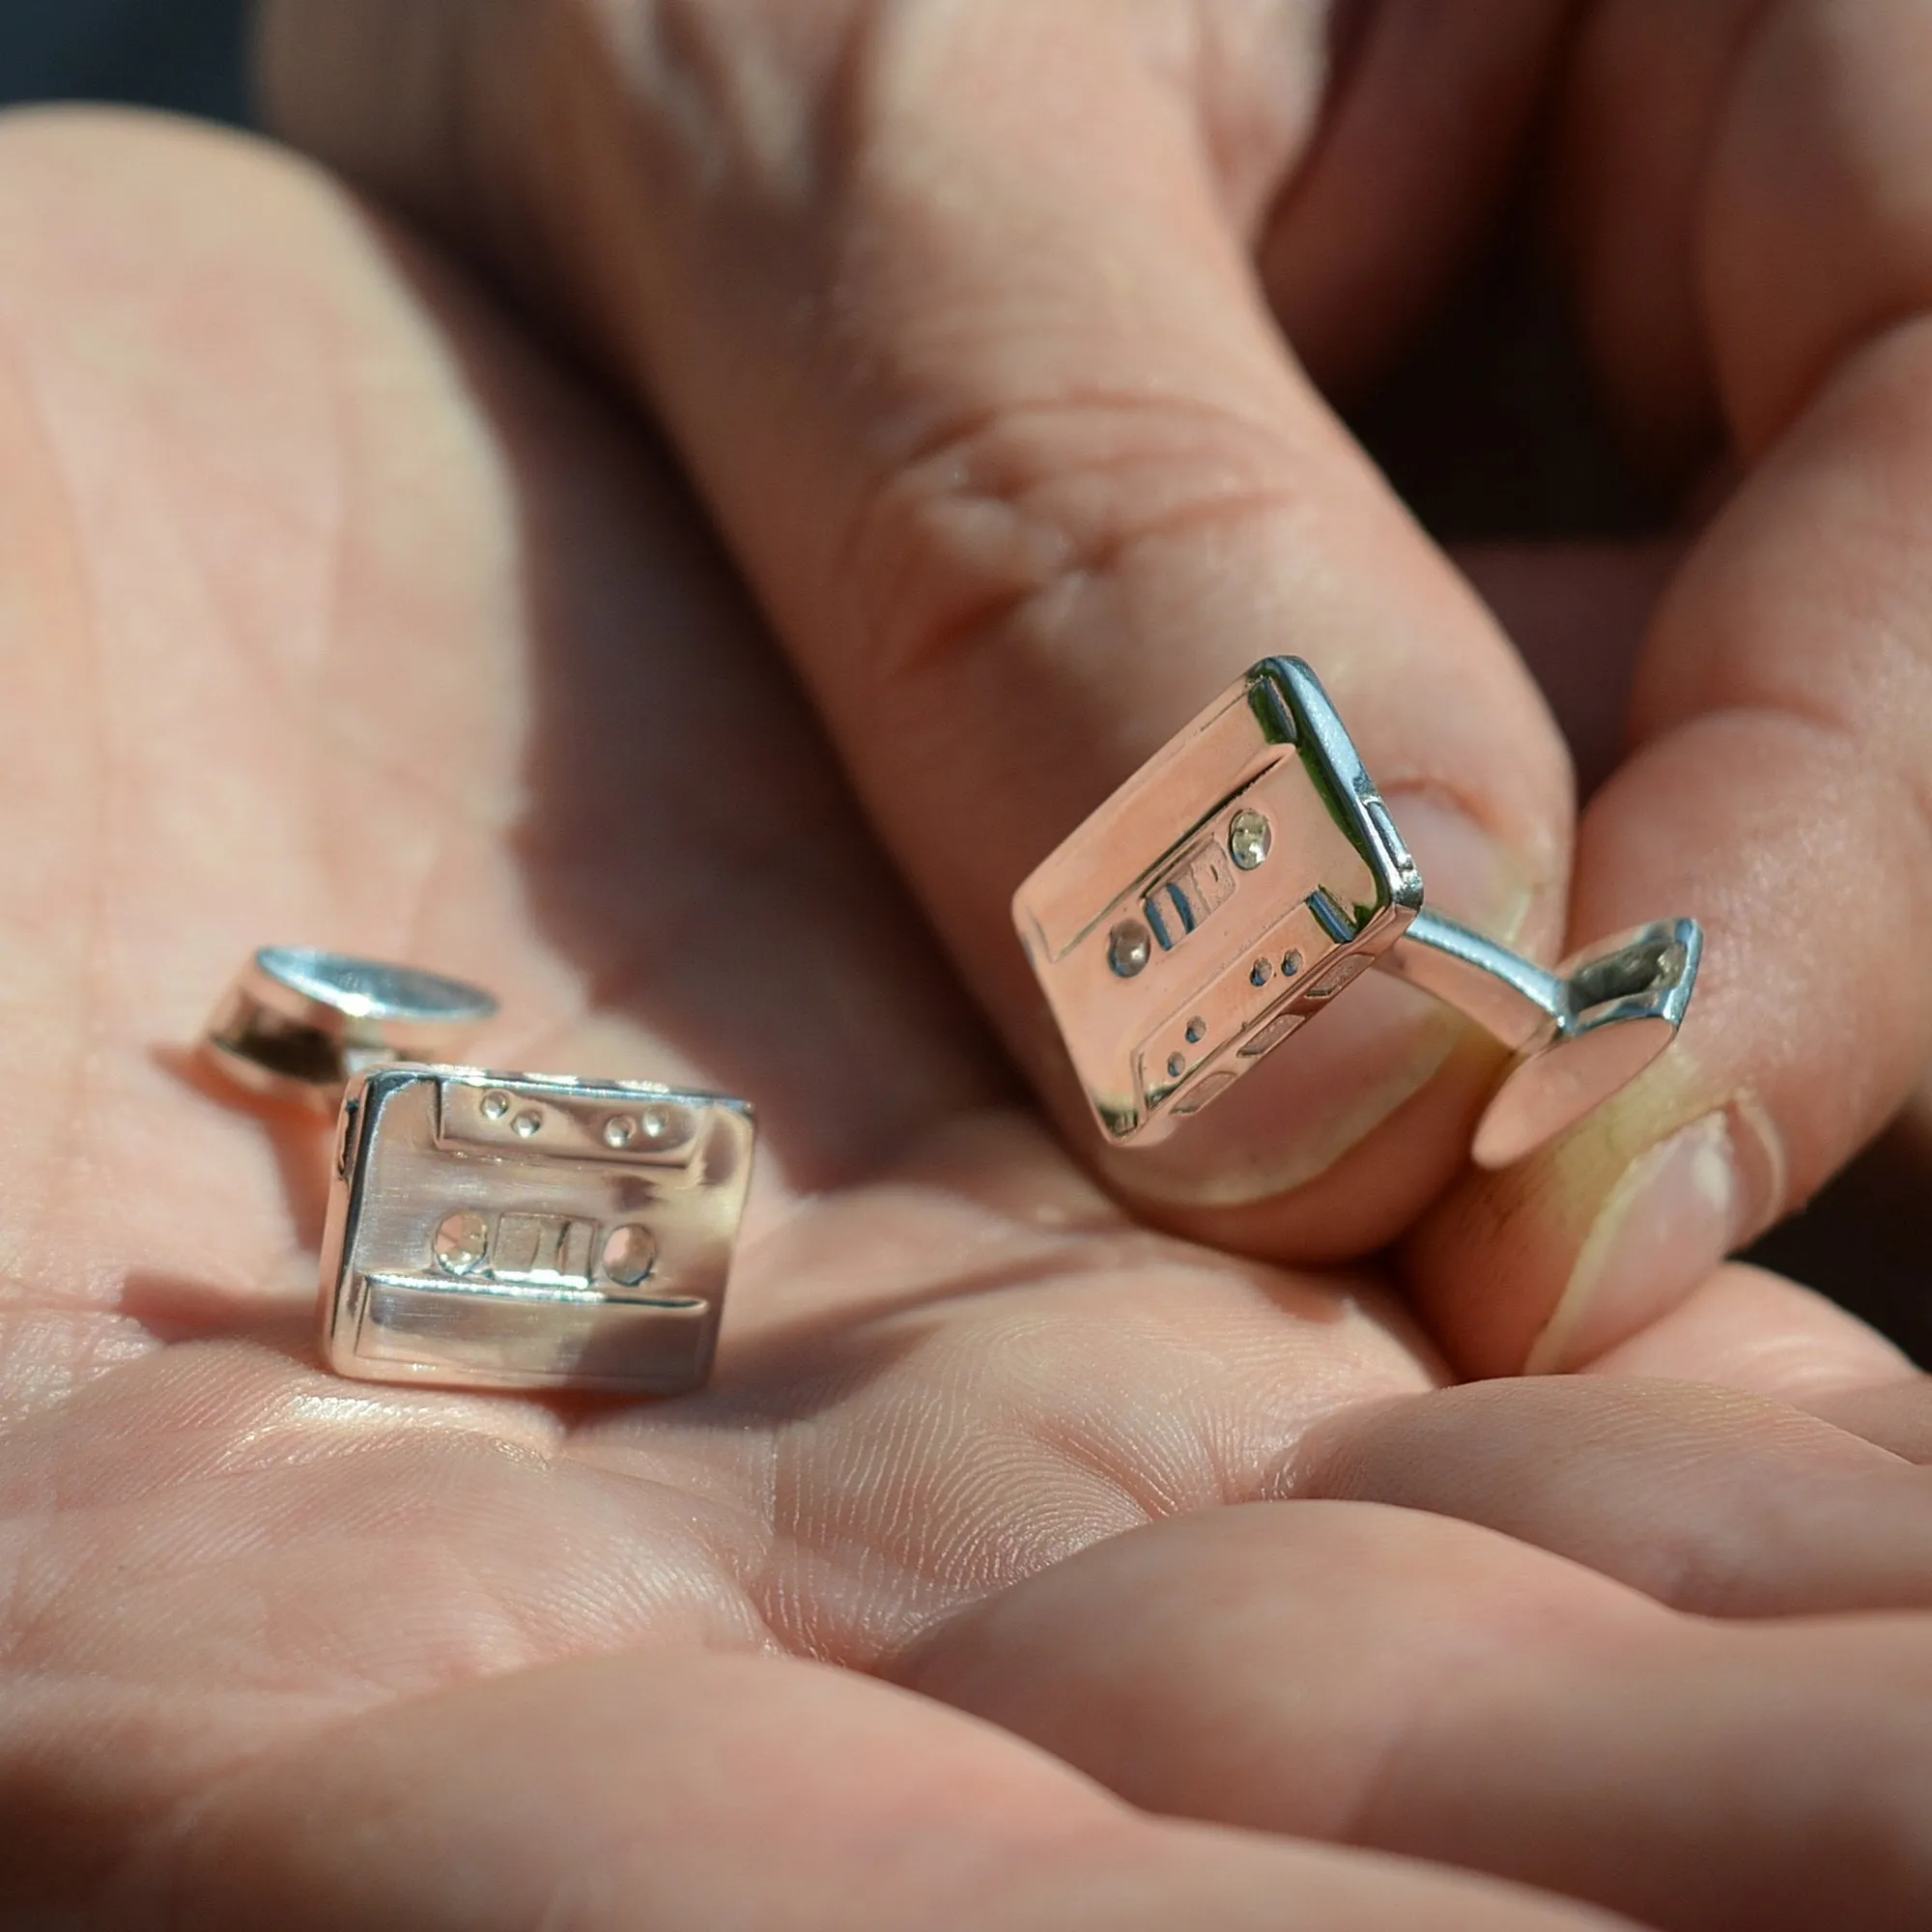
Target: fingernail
{"type": "Point", "coordinates": [1677, 1210]}
{"type": "Point", "coordinates": [1400, 1041]}
{"type": "Point", "coordinates": [1464, 871]}
{"type": "Point", "coordinates": [1371, 1053]}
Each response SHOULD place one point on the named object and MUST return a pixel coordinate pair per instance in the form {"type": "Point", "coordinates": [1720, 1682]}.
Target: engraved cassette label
{"type": "Point", "coordinates": [542, 1248]}
{"type": "Point", "coordinates": [1350, 966]}
{"type": "Point", "coordinates": [1255, 1003]}
{"type": "Point", "coordinates": [1267, 1037]}
{"type": "Point", "coordinates": [1201, 883]}
{"type": "Point", "coordinates": [522, 1231]}
{"type": "Point", "coordinates": [526, 1119]}
{"type": "Point", "coordinates": [1214, 903]}
{"type": "Point", "coordinates": [1204, 1089]}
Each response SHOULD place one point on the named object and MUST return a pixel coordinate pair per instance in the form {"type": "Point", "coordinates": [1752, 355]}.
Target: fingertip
{"type": "Point", "coordinates": [1367, 1193]}
{"type": "Point", "coordinates": [1545, 1266]}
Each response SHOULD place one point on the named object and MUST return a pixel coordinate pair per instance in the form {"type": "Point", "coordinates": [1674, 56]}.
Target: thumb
{"type": "Point", "coordinates": [951, 312]}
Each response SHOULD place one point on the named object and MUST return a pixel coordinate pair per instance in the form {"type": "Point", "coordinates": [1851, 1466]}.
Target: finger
{"type": "Point", "coordinates": [1894, 1415]}
{"type": "Point", "coordinates": [1782, 729]}
{"type": "Point", "coordinates": [1708, 1500]}
{"type": "Point", "coordinates": [1577, 612]}
{"type": "Point", "coordinates": [1400, 1681]}
{"type": "Point", "coordinates": [628, 1793]}
{"type": "Point", "coordinates": [1405, 173]}
{"type": "Point", "coordinates": [1747, 1329]}
{"type": "Point", "coordinates": [1645, 88]}
{"type": "Point", "coordinates": [950, 314]}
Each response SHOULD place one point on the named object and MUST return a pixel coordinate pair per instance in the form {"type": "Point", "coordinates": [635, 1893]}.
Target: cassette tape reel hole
{"type": "Point", "coordinates": [461, 1242]}
{"type": "Point", "coordinates": [630, 1254]}
{"type": "Point", "coordinates": [1249, 839]}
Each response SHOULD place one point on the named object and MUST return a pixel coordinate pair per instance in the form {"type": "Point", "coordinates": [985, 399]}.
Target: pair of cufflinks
{"type": "Point", "coordinates": [543, 1233]}
{"type": "Point", "coordinates": [485, 1229]}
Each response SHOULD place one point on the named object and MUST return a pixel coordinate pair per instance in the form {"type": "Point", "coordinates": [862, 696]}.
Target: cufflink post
{"type": "Point", "coordinates": [1580, 1032]}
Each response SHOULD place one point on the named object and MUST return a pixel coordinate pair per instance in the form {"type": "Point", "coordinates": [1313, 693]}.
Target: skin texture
{"type": "Point", "coordinates": [999, 339]}
{"type": "Point", "coordinates": [1023, 1566]}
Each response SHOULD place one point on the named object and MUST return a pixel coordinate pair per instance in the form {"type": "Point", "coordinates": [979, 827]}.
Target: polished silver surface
{"type": "Point", "coordinates": [1620, 1005]}
{"type": "Point", "coordinates": [1216, 902]}
{"type": "Point", "coordinates": [1247, 875]}
{"type": "Point", "coordinates": [491, 1230]}
{"type": "Point", "coordinates": [1504, 993]}
{"type": "Point", "coordinates": [525, 1231]}
{"type": "Point", "coordinates": [298, 1024]}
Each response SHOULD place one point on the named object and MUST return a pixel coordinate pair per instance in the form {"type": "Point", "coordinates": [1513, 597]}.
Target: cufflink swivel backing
{"type": "Point", "coordinates": [493, 1231]}
{"type": "Point", "coordinates": [1247, 875]}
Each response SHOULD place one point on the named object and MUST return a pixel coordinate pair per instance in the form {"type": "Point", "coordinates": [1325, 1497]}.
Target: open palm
{"type": "Point", "coordinates": [332, 616]}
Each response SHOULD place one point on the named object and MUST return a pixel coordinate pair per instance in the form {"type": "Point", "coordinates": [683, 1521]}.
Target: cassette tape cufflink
{"type": "Point", "coordinates": [496, 1231]}
{"type": "Point", "coordinates": [1241, 881]}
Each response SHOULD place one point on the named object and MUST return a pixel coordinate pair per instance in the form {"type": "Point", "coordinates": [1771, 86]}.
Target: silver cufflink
{"type": "Point", "coordinates": [500, 1230]}
{"type": "Point", "coordinates": [1246, 876]}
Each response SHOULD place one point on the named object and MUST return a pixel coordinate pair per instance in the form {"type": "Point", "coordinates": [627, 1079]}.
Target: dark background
{"type": "Point", "coordinates": [171, 53]}
{"type": "Point", "coordinates": [1498, 381]}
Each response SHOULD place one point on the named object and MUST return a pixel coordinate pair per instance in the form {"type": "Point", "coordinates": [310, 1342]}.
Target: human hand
{"type": "Point", "coordinates": [331, 613]}
{"type": "Point", "coordinates": [959, 315]}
